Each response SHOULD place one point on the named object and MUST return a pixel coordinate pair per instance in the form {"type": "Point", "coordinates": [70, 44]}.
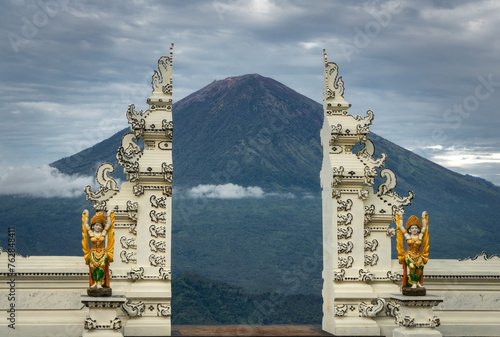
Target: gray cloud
{"type": "Point", "coordinates": [71, 69]}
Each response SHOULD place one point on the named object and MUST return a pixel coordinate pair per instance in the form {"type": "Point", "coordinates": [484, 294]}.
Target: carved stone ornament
{"type": "Point", "coordinates": [371, 245]}
{"type": "Point", "coordinates": [344, 219]}
{"type": "Point", "coordinates": [336, 193]}
{"type": "Point", "coordinates": [128, 257]}
{"type": "Point", "coordinates": [161, 80]}
{"type": "Point", "coordinates": [133, 309]}
{"type": "Point", "coordinates": [365, 275]}
{"type": "Point", "coordinates": [108, 186]}
{"type": "Point", "coordinates": [394, 277]}
{"type": "Point", "coordinates": [345, 247]}
{"type": "Point", "coordinates": [167, 191]}
{"type": "Point", "coordinates": [168, 127]}
{"type": "Point", "coordinates": [158, 202]}
{"type": "Point", "coordinates": [371, 260]}
{"type": "Point", "coordinates": [138, 190]}
{"type": "Point", "coordinates": [365, 155]}
{"type": "Point", "coordinates": [165, 274]}
{"type": "Point", "coordinates": [116, 323]}
{"type": "Point", "coordinates": [163, 310]}
{"type": "Point", "coordinates": [137, 121]}
{"type": "Point", "coordinates": [334, 87]}
{"type": "Point", "coordinates": [337, 175]}
{"type": "Point", "coordinates": [157, 246]}
{"type": "Point", "coordinates": [369, 175]}
{"type": "Point", "coordinates": [366, 310]}
{"type": "Point", "coordinates": [136, 274]}
{"type": "Point", "coordinates": [344, 205]}
{"type": "Point", "coordinates": [392, 309]}
{"type": "Point", "coordinates": [369, 211]}
{"type": "Point", "coordinates": [157, 216]}
{"type": "Point", "coordinates": [128, 153]}
{"type": "Point", "coordinates": [344, 233]}
{"type": "Point", "coordinates": [168, 172]}
{"type": "Point", "coordinates": [157, 260]}
{"type": "Point", "coordinates": [339, 275]}
{"type": "Point", "coordinates": [341, 310]}
{"type": "Point", "coordinates": [482, 256]}
{"type": "Point", "coordinates": [128, 243]}
{"type": "Point", "coordinates": [387, 189]}
{"type": "Point", "coordinates": [345, 262]}
{"type": "Point", "coordinates": [367, 232]}
{"type": "Point", "coordinates": [391, 232]}
{"type": "Point", "coordinates": [90, 323]}
{"type": "Point", "coordinates": [363, 194]}
{"type": "Point", "coordinates": [157, 231]}
{"type": "Point", "coordinates": [133, 229]}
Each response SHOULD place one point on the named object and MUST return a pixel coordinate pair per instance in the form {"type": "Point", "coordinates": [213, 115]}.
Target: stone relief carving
{"type": "Point", "coordinates": [344, 233]}
{"type": "Point", "coordinates": [394, 277]}
{"type": "Point", "coordinates": [339, 275]}
{"type": "Point", "coordinates": [337, 175]}
{"type": "Point", "coordinates": [108, 186]}
{"type": "Point", "coordinates": [371, 260]}
{"type": "Point", "coordinates": [157, 260]}
{"type": "Point", "coordinates": [346, 262]}
{"type": "Point", "coordinates": [128, 153]}
{"type": "Point", "coordinates": [345, 247]}
{"type": "Point", "coordinates": [128, 257]}
{"type": "Point", "coordinates": [366, 310]}
{"type": "Point", "coordinates": [168, 172]}
{"type": "Point", "coordinates": [369, 211]}
{"type": "Point", "coordinates": [163, 310]}
{"type": "Point", "coordinates": [363, 194]}
{"type": "Point", "coordinates": [165, 274]}
{"type": "Point", "coordinates": [133, 309]}
{"type": "Point", "coordinates": [136, 273]}
{"type": "Point", "coordinates": [344, 219]}
{"type": "Point", "coordinates": [334, 86]}
{"type": "Point", "coordinates": [386, 188]}
{"type": "Point", "coordinates": [365, 275]}
{"type": "Point", "coordinates": [133, 229]}
{"type": "Point", "coordinates": [367, 232]}
{"type": "Point", "coordinates": [482, 256]}
{"type": "Point", "coordinates": [365, 155]}
{"type": "Point", "coordinates": [336, 193]}
{"type": "Point", "coordinates": [158, 202]}
{"type": "Point", "coordinates": [369, 175]}
{"type": "Point", "coordinates": [128, 243]}
{"type": "Point", "coordinates": [116, 323]}
{"type": "Point", "coordinates": [157, 216]}
{"type": "Point", "coordinates": [391, 309]}
{"type": "Point", "coordinates": [132, 208]}
{"type": "Point", "coordinates": [168, 127]}
{"type": "Point", "coordinates": [344, 205]}
{"type": "Point", "coordinates": [162, 81]}
{"type": "Point", "coordinates": [138, 190]}
{"type": "Point", "coordinates": [90, 323]}
{"type": "Point", "coordinates": [371, 245]}
{"type": "Point", "coordinates": [341, 310]}
{"type": "Point", "coordinates": [390, 232]}
{"type": "Point", "coordinates": [157, 246]}
{"type": "Point", "coordinates": [157, 231]}
{"type": "Point", "coordinates": [137, 121]}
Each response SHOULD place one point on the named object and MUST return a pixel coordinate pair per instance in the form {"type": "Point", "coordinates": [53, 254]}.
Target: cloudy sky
{"type": "Point", "coordinates": [428, 69]}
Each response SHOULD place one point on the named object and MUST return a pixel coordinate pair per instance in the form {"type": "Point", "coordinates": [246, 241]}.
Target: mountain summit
{"type": "Point", "coordinates": [247, 130]}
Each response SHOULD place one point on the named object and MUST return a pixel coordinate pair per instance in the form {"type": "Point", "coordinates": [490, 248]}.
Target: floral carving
{"type": "Point", "coordinates": [344, 233]}
{"type": "Point", "coordinates": [346, 262]}
{"type": "Point", "coordinates": [133, 309]}
{"type": "Point", "coordinates": [366, 310]}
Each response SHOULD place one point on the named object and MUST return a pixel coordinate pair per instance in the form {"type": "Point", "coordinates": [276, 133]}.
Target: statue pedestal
{"type": "Point", "coordinates": [415, 316]}
{"type": "Point", "coordinates": [102, 319]}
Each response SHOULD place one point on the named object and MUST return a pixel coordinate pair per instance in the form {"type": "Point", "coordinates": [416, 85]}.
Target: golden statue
{"type": "Point", "coordinates": [101, 254]}
{"type": "Point", "coordinates": [416, 255]}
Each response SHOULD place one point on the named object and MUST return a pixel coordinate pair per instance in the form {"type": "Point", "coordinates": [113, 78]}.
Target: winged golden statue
{"type": "Point", "coordinates": [99, 254]}
{"type": "Point", "coordinates": [416, 235]}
